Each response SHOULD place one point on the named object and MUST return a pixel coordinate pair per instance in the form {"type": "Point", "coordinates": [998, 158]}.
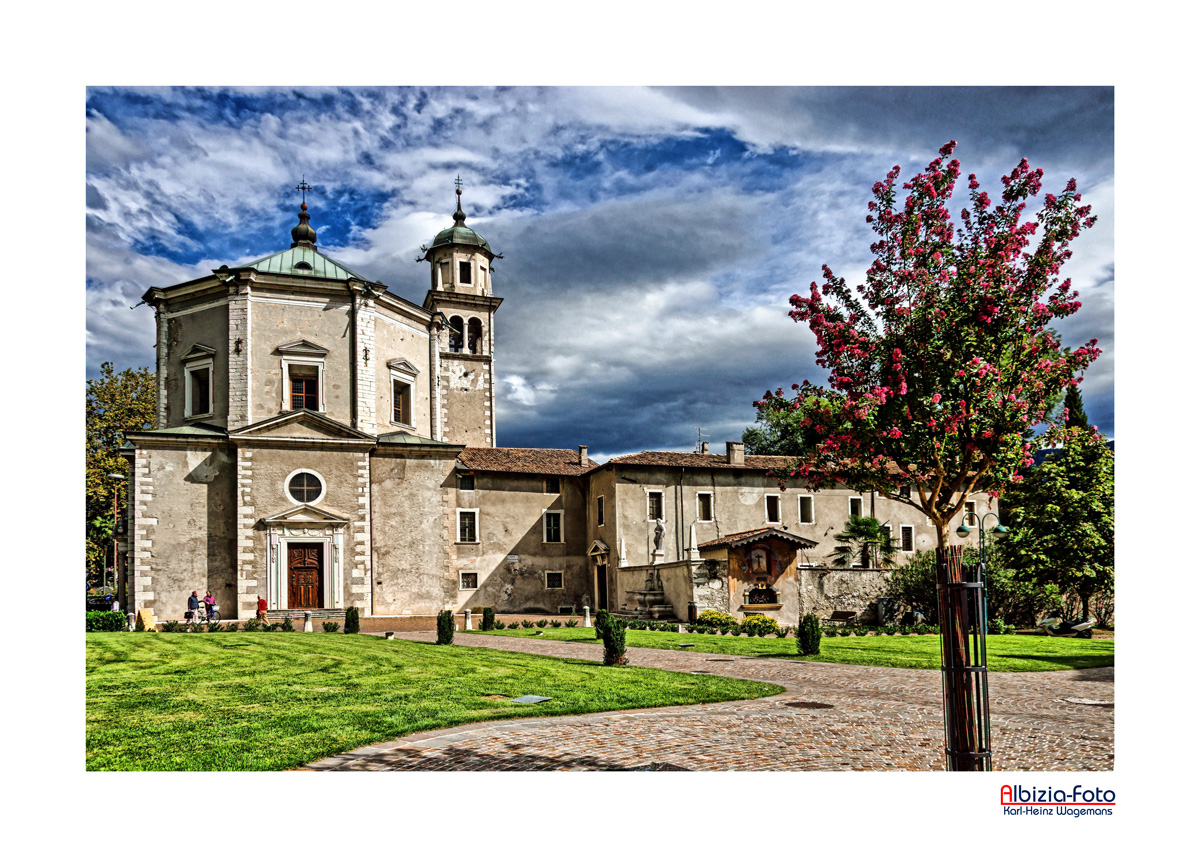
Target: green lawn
{"type": "Point", "coordinates": [1007, 653]}
{"type": "Point", "coordinates": [236, 702]}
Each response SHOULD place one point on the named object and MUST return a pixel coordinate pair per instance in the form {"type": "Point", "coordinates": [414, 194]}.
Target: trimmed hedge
{"type": "Point", "coordinates": [351, 620]}
{"type": "Point", "coordinates": [612, 632]}
{"type": "Point", "coordinates": [105, 620]}
{"type": "Point", "coordinates": [808, 635]}
{"type": "Point", "coordinates": [489, 619]}
{"type": "Point", "coordinates": [445, 628]}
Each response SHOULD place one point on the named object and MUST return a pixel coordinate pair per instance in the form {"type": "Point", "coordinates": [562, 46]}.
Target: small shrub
{"type": "Point", "coordinates": [759, 626]}
{"type": "Point", "coordinates": [571, 623]}
{"type": "Point", "coordinates": [489, 619]}
{"type": "Point", "coordinates": [173, 627]}
{"type": "Point", "coordinates": [286, 624]}
{"type": "Point", "coordinates": [830, 632]}
{"type": "Point", "coordinates": [735, 630]}
{"type": "Point", "coordinates": [613, 635]}
{"type": "Point", "coordinates": [542, 623]}
{"type": "Point", "coordinates": [351, 620]}
{"type": "Point", "coordinates": [554, 623]}
{"type": "Point", "coordinates": [808, 635]}
{"type": "Point", "coordinates": [105, 620]}
{"type": "Point", "coordinates": [716, 619]}
{"type": "Point", "coordinates": [782, 632]}
{"type": "Point", "coordinates": [213, 626]}
{"type": "Point", "coordinates": [526, 623]}
{"type": "Point", "coordinates": [445, 628]}
{"type": "Point", "coordinates": [844, 632]}
{"type": "Point", "coordinates": [251, 625]}
{"type": "Point", "coordinates": [330, 627]}
{"type": "Point", "coordinates": [714, 631]}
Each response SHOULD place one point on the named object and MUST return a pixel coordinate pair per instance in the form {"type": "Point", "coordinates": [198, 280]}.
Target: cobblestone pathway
{"type": "Point", "coordinates": [832, 718]}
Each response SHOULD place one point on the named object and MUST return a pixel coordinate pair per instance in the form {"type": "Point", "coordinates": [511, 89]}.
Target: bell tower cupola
{"type": "Point", "coordinates": [462, 333]}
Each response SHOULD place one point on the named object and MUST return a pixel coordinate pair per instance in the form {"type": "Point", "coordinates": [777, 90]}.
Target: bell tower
{"type": "Point", "coordinates": [462, 346]}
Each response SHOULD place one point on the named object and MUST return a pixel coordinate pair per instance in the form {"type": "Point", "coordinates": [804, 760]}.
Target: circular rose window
{"type": "Point", "coordinates": [305, 487]}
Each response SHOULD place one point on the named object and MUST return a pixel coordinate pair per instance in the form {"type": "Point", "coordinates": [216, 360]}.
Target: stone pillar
{"type": "Point", "coordinates": [467, 620]}
{"type": "Point", "coordinates": [308, 621]}
{"type": "Point", "coordinates": [239, 354]}
{"type": "Point", "coordinates": [587, 616]}
{"type": "Point", "coordinates": [364, 362]}
{"type": "Point", "coordinates": [160, 360]}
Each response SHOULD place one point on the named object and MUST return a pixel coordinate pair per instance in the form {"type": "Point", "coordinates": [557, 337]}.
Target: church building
{"type": "Point", "coordinates": [324, 443]}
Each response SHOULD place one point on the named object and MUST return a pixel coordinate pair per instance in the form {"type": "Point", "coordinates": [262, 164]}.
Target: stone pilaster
{"type": "Point", "coordinates": [141, 555]}
{"type": "Point", "coordinates": [239, 354]}
{"type": "Point", "coordinates": [160, 362]}
{"type": "Point", "coordinates": [247, 573]}
{"type": "Point", "coordinates": [360, 535]}
{"type": "Point", "coordinates": [364, 362]}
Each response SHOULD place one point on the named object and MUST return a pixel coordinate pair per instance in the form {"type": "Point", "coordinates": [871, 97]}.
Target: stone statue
{"type": "Point", "coordinates": [659, 529]}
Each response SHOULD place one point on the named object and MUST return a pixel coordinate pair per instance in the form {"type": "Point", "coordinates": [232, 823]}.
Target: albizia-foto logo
{"type": "Point", "coordinates": [1022, 800]}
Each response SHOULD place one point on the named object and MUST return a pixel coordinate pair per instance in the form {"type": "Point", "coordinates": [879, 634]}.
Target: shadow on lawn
{"type": "Point", "coordinates": [1072, 662]}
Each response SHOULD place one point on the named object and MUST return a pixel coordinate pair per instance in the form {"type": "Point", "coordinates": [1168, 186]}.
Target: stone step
{"type": "Point", "coordinates": [323, 614]}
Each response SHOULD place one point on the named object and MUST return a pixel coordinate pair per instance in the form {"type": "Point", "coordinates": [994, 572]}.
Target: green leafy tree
{"type": "Point", "coordinates": [1060, 518]}
{"type": "Point", "coordinates": [777, 431]}
{"type": "Point", "coordinates": [867, 541]}
{"type": "Point", "coordinates": [117, 402]}
{"type": "Point", "coordinates": [1076, 416]}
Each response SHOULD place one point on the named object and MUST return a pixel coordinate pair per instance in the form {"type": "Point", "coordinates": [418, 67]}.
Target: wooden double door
{"type": "Point", "coordinates": [305, 575]}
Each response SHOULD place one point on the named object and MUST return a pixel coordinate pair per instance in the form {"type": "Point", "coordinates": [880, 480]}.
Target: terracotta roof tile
{"type": "Point", "coordinates": [551, 462]}
{"type": "Point", "coordinates": [747, 536]}
{"type": "Point", "coordinates": [701, 459]}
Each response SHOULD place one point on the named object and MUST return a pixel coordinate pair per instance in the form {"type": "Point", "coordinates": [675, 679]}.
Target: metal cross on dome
{"type": "Point", "coordinates": [303, 187]}
{"type": "Point", "coordinates": [458, 185]}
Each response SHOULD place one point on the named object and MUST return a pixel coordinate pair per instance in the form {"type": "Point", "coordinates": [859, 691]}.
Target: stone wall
{"type": "Point", "coordinates": [823, 590]}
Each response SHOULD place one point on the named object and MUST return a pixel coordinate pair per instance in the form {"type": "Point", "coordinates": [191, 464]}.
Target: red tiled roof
{"type": "Point", "coordinates": [551, 462]}
{"type": "Point", "coordinates": [746, 536]}
{"type": "Point", "coordinates": [701, 459]}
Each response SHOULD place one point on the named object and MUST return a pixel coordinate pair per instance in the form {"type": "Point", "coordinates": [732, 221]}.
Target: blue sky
{"type": "Point", "coordinates": [651, 237]}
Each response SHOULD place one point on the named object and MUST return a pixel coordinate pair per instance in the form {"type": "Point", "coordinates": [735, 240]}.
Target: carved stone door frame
{"type": "Point", "coordinates": [280, 535]}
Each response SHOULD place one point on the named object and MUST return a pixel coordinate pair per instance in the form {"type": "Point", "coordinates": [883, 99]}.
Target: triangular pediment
{"type": "Point", "coordinates": [598, 548]}
{"type": "Point", "coordinates": [306, 514]}
{"type": "Point", "coordinates": [198, 352]}
{"type": "Point", "coordinates": [301, 424]}
{"type": "Point", "coordinates": [402, 365]}
{"type": "Point", "coordinates": [301, 348]}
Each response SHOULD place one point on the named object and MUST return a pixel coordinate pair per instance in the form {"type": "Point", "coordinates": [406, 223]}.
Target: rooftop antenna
{"type": "Point", "coordinates": [699, 434]}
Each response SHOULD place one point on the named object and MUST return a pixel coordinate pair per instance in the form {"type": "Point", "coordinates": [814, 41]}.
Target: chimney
{"type": "Point", "coordinates": [735, 452]}
{"type": "Point", "coordinates": [583, 459]}
{"type": "Point", "coordinates": [704, 447]}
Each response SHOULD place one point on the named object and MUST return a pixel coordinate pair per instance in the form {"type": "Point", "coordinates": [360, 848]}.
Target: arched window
{"type": "Point", "coordinates": [475, 336]}
{"type": "Point", "coordinates": [456, 333]}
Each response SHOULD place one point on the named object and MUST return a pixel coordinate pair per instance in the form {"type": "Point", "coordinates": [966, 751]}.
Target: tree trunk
{"type": "Point", "coordinates": [964, 708]}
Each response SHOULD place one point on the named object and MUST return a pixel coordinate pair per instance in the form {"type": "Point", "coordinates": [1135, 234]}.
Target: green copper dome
{"type": "Point", "coordinates": [459, 233]}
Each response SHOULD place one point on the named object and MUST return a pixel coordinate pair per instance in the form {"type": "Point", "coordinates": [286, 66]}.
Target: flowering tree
{"type": "Point", "coordinates": [943, 362]}
{"type": "Point", "coordinates": [939, 368]}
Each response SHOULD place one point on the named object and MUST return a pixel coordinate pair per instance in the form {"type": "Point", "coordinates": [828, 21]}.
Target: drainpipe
{"type": "Point", "coordinates": [679, 518]}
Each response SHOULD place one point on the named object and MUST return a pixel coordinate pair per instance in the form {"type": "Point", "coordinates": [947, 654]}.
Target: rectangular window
{"type": "Point", "coordinates": [467, 520]}
{"type": "Point", "coordinates": [304, 387]}
{"type": "Point", "coordinates": [466, 482]}
{"type": "Point", "coordinates": [552, 527]}
{"type": "Point", "coordinates": [969, 513]}
{"type": "Point", "coordinates": [464, 273]}
{"type": "Point", "coordinates": [856, 507]}
{"type": "Point", "coordinates": [551, 484]}
{"type": "Point", "coordinates": [704, 506]}
{"type": "Point", "coordinates": [444, 275]}
{"type": "Point", "coordinates": [772, 508]}
{"type": "Point", "coordinates": [906, 539]}
{"type": "Point", "coordinates": [401, 402]}
{"type": "Point", "coordinates": [654, 505]}
{"type": "Point", "coordinates": [554, 580]}
{"type": "Point", "coordinates": [906, 492]}
{"type": "Point", "coordinates": [198, 400]}
{"type": "Point", "coordinates": [807, 513]}
{"type": "Point", "coordinates": [599, 511]}
{"type": "Point", "coordinates": [468, 580]}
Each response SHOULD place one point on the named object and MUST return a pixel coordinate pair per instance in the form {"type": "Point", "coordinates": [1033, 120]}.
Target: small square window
{"type": "Point", "coordinates": [856, 507]}
{"type": "Point", "coordinates": [466, 482]}
{"type": "Point", "coordinates": [467, 530]}
{"type": "Point", "coordinates": [654, 505]}
{"type": "Point", "coordinates": [468, 580]}
{"type": "Point", "coordinates": [554, 580]}
{"type": "Point", "coordinates": [704, 506]}
{"type": "Point", "coordinates": [552, 485]}
{"type": "Point", "coordinates": [599, 511]}
{"type": "Point", "coordinates": [464, 272]}
{"type": "Point", "coordinates": [552, 527]}
{"type": "Point", "coordinates": [807, 513]}
{"type": "Point", "coordinates": [773, 508]}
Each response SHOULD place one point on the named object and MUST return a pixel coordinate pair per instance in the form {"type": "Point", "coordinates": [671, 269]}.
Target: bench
{"type": "Point", "coordinates": [843, 616]}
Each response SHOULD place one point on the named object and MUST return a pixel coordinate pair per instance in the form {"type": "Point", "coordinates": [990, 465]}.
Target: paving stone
{"type": "Point", "coordinates": [881, 719]}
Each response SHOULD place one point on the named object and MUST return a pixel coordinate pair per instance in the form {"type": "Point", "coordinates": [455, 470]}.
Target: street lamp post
{"type": "Point", "coordinates": [115, 477]}
{"type": "Point", "coordinates": [1000, 531]}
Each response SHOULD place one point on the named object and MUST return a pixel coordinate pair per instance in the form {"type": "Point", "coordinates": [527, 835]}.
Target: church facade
{"type": "Point", "coordinates": [324, 443]}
